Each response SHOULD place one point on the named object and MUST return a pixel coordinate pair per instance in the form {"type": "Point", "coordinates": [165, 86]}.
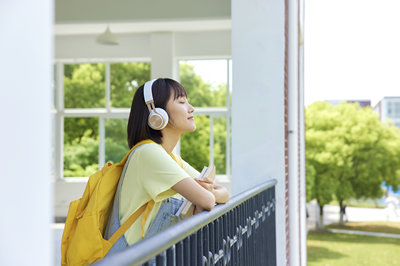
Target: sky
{"type": "Point", "coordinates": [351, 51]}
{"type": "Point", "coordinates": [213, 72]}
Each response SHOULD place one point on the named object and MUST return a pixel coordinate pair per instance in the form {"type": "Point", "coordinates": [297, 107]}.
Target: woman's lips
{"type": "Point", "coordinates": [190, 118]}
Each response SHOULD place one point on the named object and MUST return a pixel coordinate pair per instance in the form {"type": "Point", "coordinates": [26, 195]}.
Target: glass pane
{"type": "Point", "coordinates": [84, 86]}
{"type": "Point", "coordinates": [220, 144]}
{"type": "Point", "coordinates": [116, 139]}
{"type": "Point", "coordinates": [81, 146]}
{"type": "Point", "coordinates": [195, 146]}
{"type": "Point", "coordinates": [205, 81]}
{"type": "Point", "coordinates": [125, 79]}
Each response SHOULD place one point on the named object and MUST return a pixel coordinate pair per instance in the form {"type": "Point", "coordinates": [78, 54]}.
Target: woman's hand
{"type": "Point", "coordinates": [220, 192]}
{"type": "Point", "coordinates": [195, 193]}
{"type": "Point", "coordinates": [206, 184]}
{"type": "Point", "coordinates": [197, 209]}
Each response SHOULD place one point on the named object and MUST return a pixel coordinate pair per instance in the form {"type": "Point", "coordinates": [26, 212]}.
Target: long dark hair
{"type": "Point", "coordinates": [138, 129]}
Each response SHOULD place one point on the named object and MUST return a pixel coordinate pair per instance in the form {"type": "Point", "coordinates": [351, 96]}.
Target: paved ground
{"type": "Point", "coordinates": [331, 214]}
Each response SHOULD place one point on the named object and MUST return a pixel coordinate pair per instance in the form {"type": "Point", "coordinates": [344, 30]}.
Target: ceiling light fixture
{"type": "Point", "coordinates": [107, 38]}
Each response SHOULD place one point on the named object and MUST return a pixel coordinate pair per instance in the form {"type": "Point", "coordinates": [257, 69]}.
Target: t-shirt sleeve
{"type": "Point", "coordinates": [159, 173]}
{"type": "Point", "coordinates": [190, 170]}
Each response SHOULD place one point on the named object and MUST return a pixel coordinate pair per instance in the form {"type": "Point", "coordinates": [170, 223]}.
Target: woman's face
{"type": "Point", "coordinates": [180, 114]}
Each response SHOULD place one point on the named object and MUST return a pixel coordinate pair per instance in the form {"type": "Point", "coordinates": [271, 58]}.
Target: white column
{"type": "Point", "coordinates": [163, 63]}
{"type": "Point", "coordinates": [258, 46]}
{"type": "Point", "coordinates": [26, 51]}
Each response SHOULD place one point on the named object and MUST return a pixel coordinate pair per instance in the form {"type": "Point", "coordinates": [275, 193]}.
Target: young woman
{"type": "Point", "coordinates": [160, 113]}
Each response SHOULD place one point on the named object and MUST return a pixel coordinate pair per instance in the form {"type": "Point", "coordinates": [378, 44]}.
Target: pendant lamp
{"type": "Point", "coordinates": [107, 38]}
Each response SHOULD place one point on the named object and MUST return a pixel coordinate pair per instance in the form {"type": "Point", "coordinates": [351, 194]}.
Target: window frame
{"type": "Point", "coordinates": [215, 112]}
{"type": "Point", "coordinates": [108, 112]}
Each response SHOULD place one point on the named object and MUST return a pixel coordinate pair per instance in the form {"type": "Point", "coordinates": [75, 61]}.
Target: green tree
{"type": "Point", "coordinates": [84, 87]}
{"type": "Point", "coordinates": [125, 80]}
{"type": "Point", "coordinates": [195, 145]}
{"type": "Point", "coordinates": [349, 153]}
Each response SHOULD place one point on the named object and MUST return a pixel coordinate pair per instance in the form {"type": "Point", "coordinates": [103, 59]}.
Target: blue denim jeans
{"type": "Point", "coordinates": [165, 216]}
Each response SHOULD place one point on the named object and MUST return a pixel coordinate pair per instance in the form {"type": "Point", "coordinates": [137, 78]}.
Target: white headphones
{"type": "Point", "coordinates": [158, 117]}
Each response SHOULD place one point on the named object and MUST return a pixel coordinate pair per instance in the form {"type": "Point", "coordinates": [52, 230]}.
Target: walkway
{"type": "Point", "coordinates": [353, 232]}
{"type": "Point", "coordinates": [331, 215]}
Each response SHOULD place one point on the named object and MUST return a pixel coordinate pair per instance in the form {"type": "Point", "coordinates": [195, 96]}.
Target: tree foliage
{"type": "Point", "coordinates": [349, 153]}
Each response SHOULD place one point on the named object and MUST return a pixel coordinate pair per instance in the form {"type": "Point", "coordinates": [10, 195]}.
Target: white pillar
{"type": "Point", "coordinates": [163, 63]}
{"type": "Point", "coordinates": [26, 51]}
{"type": "Point", "coordinates": [258, 142]}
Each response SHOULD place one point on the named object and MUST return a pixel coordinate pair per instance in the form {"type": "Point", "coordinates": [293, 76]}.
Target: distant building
{"type": "Point", "coordinates": [389, 107]}
{"type": "Point", "coordinates": [362, 103]}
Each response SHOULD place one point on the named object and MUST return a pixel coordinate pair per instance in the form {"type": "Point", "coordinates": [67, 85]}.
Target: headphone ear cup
{"type": "Point", "coordinates": [164, 115]}
{"type": "Point", "coordinates": [158, 119]}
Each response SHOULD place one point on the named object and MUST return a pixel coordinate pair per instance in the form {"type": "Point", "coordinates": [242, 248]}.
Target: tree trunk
{"type": "Point", "coordinates": [341, 212]}
{"type": "Point", "coordinates": [320, 223]}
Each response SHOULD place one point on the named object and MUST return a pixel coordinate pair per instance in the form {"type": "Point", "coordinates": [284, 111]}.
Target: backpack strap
{"type": "Point", "coordinates": [122, 229]}
{"type": "Point", "coordinates": [123, 161]}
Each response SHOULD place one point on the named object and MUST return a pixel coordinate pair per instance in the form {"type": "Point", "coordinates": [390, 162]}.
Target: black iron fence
{"type": "Point", "coordinates": [240, 232]}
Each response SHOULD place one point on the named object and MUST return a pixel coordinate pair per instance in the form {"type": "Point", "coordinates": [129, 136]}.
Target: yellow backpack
{"type": "Point", "coordinates": [82, 241]}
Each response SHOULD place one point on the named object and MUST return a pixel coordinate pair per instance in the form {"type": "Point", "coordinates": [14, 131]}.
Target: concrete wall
{"type": "Point", "coordinates": [258, 102]}
{"type": "Point", "coordinates": [202, 44]}
{"type": "Point", "coordinates": [25, 66]}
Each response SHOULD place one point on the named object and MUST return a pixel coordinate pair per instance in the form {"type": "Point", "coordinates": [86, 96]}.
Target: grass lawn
{"type": "Point", "coordinates": [342, 249]}
{"type": "Point", "coordinates": [380, 227]}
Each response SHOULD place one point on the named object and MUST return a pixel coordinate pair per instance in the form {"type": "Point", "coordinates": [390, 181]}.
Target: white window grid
{"type": "Point", "coordinates": [109, 112]}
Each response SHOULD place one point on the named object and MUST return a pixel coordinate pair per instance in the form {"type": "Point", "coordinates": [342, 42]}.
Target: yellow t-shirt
{"type": "Point", "coordinates": [150, 174]}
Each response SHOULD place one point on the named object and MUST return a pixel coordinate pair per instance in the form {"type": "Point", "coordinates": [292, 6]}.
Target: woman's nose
{"type": "Point", "coordinates": [191, 108]}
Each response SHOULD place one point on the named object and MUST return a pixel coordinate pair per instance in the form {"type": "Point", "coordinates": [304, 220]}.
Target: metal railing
{"type": "Point", "coordinates": [239, 232]}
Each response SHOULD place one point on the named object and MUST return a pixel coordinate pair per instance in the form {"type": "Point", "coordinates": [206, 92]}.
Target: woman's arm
{"type": "Point", "coordinates": [195, 193]}
{"type": "Point", "coordinates": [220, 192]}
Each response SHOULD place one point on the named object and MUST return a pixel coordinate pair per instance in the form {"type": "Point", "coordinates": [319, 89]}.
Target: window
{"type": "Point", "coordinates": [208, 86]}
{"type": "Point", "coordinates": [92, 107]}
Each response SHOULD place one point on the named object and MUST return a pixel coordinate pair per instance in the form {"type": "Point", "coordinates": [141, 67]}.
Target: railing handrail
{"type": "Point", "coordinates": [148, 248]}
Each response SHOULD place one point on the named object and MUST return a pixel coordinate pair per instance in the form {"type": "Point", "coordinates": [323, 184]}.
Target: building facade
{"type": "Point", "coordinates": [389, 108]}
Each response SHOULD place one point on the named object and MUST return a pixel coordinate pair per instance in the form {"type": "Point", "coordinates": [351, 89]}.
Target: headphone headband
{"type": "Point", "coordinates": [147, 92]}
